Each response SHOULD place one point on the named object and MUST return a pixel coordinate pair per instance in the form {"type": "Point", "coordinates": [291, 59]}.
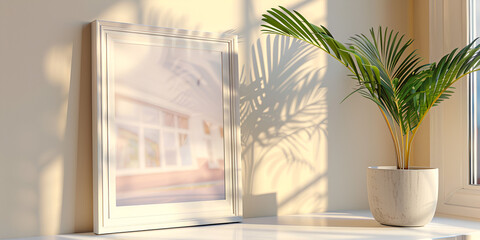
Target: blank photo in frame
{"type": "Point", "coordinates": [166, 146]}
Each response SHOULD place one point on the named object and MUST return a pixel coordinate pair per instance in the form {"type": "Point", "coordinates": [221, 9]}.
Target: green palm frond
{"type": "Point", "coordinates": [386, 70]}
{"type": "Point", "coordinates": [433, 85]}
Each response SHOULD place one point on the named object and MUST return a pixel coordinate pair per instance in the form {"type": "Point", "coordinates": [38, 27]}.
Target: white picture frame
{"type": "Point", "coordinates": [166, 137]}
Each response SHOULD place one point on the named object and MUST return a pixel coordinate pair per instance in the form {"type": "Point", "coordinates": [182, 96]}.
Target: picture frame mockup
{"type": "Point", "coordinates": [166, 135]}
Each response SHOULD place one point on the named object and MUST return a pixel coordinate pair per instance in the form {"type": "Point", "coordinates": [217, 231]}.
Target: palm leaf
{"type": "Point", "coordinates": [387, 72]}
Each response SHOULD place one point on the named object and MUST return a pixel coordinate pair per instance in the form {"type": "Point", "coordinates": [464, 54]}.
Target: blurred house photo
{"type": "Point", "coordinates": [168, 125]}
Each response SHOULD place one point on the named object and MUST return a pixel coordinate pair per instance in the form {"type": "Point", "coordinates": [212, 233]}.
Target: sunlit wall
{"type": "Point", "coordinates": [303, 150]}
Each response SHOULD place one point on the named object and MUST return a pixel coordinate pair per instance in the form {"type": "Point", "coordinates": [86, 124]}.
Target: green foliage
{"type": "Point", "coordinates": [386, 70]}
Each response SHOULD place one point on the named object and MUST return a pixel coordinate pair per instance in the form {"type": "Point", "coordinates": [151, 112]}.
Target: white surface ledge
{"type": "Point", "coordinates": [330, 225]}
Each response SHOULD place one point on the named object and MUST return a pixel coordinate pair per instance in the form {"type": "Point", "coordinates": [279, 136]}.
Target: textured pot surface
{"type": "Point", "coordinates": [402, 197]}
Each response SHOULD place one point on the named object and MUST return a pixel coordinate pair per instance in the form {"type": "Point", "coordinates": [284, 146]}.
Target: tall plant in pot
{"type": "Point", "coordinates": [391, 75]}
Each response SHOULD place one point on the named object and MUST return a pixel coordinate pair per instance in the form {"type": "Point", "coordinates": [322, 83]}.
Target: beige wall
{"type": "Point", "coordinates": [420, 28]}
{"type": "Point", "coordinates": [303, 151]}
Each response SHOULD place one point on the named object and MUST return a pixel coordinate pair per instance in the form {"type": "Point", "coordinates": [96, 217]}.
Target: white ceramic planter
{"type": "Point", "coordinates": [400, 197]}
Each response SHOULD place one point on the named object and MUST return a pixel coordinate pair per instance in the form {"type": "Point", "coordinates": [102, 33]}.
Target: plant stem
{"type": "Point", "coordinates": [395, 141]}
{"type": "Point", "coordinates": [407, 146]}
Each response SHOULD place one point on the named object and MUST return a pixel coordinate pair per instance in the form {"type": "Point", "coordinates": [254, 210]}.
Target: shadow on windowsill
{"type": "Point", "coordinates": [319, 220]}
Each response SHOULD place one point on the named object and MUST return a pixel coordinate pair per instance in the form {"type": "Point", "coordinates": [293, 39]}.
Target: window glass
{"type": "Point", "coordinates": [150, 115]}
{"type": "Point", "coordinates": [168, 119]}
{"type": "Point", "coordinates": [152, 147]}
{"type": "Point", "coordinates": [170, 149]}
{"type": "Point", "coordinates": [127, 146]}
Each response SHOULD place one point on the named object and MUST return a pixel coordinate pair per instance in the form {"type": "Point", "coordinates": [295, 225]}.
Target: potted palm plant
{"type": "Point", "coordinates": [391, 75]}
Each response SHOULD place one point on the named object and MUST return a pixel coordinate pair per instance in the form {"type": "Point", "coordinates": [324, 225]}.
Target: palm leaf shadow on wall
{"type": "Point", "coordinates": [282, 105]}
{"type": "Point", "coordinates": [282, 111]}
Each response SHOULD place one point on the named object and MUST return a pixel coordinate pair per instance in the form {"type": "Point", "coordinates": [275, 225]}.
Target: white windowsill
{"type": "Point", "coordinates": [330, 225]}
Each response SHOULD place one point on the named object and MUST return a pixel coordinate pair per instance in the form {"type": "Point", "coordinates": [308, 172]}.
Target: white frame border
{"type": "Point", "coordinates": [104, 222]}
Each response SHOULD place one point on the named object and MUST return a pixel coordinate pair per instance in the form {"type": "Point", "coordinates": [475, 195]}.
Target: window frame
{"type": "Point", "coordinates": [450, 132]}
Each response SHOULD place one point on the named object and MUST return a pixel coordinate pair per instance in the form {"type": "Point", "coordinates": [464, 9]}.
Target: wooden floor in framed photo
{"type": "Point", "coordinates": [165, 128]}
